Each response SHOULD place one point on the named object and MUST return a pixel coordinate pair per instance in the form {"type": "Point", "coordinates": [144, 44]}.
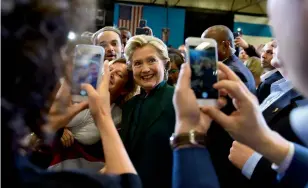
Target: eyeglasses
{"type": "Point", "coordinates": [172, 71]}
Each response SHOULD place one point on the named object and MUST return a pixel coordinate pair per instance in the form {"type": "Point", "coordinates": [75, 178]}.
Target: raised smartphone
{"type": "Point", "coordinates": [142, 23]}
{"type": "Point", "coordinates": [140, 30]}
{"type": "Point", "coordinates": [202, 56]}
{"type": "Point", "coordinates": [87, 68]}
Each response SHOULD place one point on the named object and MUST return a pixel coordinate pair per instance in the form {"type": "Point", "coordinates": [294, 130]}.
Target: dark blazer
{"type": "Point", "coordinates": [219, 141]}
{"type": "Point", "coordinates": [297, 173]}
{"type": "Point", "coordinates": [192, 167]}
{"type": "Point", "coordinates": [149, 148]}
{"type": "Point", "coordinates": [277, 118]}
{"type": "Point", "coordinates": [264, 88]}
{"type": "Point", "coordinates": [235, 64]}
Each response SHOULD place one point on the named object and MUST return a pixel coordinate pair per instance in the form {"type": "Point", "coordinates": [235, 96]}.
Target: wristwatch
{"type": "Point", "coordinates": [191, 138]}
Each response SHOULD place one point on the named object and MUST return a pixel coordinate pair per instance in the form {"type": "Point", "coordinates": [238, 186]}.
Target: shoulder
{"type": "Point", "coordinates": [265, 84]}
{"type": "Point", "coordinates": [237, 66]}
{"type": "Point", "coordinates": [277, 75]}
{"type": "Point", "coordinates": [169, 89]}
{"type": "Point", "coordinates": [130, 102]}
{"type": "Point", "coordinates": [239, 73]}
{"type": "Point", "coordinates": [273, 78]}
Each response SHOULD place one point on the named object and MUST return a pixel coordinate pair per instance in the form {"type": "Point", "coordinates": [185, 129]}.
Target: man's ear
{"type": "Point", "coordinates": [227, 44]}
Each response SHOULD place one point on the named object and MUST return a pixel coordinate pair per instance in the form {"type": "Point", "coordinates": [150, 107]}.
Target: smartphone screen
{"type": "Point", "coordinates": [142, 23]}
{"type": "Point", "coordinates": [203, 64]}
{"type": "Point", "coordinates": [237, 34]}
{"type": "Point", "coordinates": [86, 70]}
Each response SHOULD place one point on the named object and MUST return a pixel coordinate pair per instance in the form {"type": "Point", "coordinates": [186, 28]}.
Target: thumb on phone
{"type": "Point", "coordinates": [89, 89]}
{"type": "Point", "coordinates": [105, 78]}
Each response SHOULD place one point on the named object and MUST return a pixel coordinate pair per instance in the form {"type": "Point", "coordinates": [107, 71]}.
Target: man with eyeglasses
{"type": "Point", "coordinates": [176, 60]}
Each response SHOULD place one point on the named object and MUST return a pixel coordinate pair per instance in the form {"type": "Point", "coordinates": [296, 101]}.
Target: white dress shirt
{"type": "Point", "coordinates": [267, 74]}
{"type": "Point", "coordinates": [278, 89]}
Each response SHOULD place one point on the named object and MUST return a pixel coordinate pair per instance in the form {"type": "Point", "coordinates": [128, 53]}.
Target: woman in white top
{"type": "Point", "coordinates": [83, 129]}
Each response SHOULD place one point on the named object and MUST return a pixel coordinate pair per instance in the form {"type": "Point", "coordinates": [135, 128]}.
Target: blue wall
{"type": "Point", "coordinates": [156, 19]}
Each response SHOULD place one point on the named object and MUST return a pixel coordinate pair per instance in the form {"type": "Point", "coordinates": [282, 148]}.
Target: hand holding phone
{"type": "Point", "coordinates": [143, 29]}
{"type": "Point", "coordinates": [202, 56]}
{"type": "Point", "coordinates": [238, 33]}
{"type": "Point", "coordinates": [87, 68]}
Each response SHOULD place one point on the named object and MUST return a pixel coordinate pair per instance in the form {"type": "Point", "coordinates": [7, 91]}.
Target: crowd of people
{"type": "Point", "coordinates": [142, 126]}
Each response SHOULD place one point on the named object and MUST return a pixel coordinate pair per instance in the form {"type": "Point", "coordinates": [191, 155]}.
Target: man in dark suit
{"type": "Point", "coordinates": [290, 158]}
{"type": "Point", "coordinates": [276, 110]}
{"type": "Point", "coordinates": [270, 75]}
{"type": "Point", "coordinates": [225, 44]}
{"type": "Point", "coordinates": [252, 164]}
{"type": "Point", "coordinates": [219, 141]}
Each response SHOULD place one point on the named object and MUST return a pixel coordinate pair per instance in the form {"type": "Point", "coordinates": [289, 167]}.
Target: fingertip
{"type": "Point", "coordinates": [183, 65]}
{"type": "Point", "coordinates": [221, 102]}
{"type": "Point", "coordinates": [83, 86]}
{"type": "Point", "coordinates": [221, 75]}
{"type": "Point", "coordinates": [184, 77]}
{"type": "Point", "coordinates": [229, 156]}
{"type": "Point", "coordinates": [205, 109]}
{"type": "Point", "coordinates": [233, 143]}
{"type": "Point", "coordinates": [106, 62]}
{"type": "Point", "coordinates": [215, 85]}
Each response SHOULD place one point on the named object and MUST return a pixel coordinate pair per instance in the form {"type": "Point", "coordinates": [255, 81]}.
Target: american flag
{"type": "Point", "coordinates": [129, 16]}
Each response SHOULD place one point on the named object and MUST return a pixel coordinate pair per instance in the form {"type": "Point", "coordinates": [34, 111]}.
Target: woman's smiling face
{"type": "Point", "coordinates": [148, 67]}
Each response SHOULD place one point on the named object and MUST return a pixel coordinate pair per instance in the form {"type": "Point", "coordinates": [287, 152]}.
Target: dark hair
{"type": "Point", "coordinates": [33, 33]}
{"type": "Point", "coordinates": [176, 57]}
{"type": "Point", "coordinates": [131, 87]}
{"type": "Point", "coordinates": [123, 29]}
{"type": "Point", "coordinates": [95, 35]}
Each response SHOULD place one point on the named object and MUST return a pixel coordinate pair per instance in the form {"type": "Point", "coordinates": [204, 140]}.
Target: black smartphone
{"type": "Point", "coordinates": [142, 23]}
{"type": "Point", "coordinates": [142, 31]}
{"type": "Point", "coordinates": [238, 33]}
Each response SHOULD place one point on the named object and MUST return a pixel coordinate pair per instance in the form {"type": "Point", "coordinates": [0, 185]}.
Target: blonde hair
{"type": "Point", "coordinates": [107, 28]}
{"type": "Point", "coordinates": [254, 65]}
{"type": "Point", "coordinates": [140, 41]}
{"type": "Point", "coordinates": [130, 86]}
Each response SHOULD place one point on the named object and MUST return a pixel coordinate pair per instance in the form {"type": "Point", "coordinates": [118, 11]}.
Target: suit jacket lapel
{"type": "Point", "coordinates": [158, 103]}
{"type": "Point", "coordinates": [274, 109]}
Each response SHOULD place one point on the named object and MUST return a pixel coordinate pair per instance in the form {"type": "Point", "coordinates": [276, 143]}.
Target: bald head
{"type": "Point", "coordinates": [224, 38]}
{"type": "Point", "coordinates": [219, 33]}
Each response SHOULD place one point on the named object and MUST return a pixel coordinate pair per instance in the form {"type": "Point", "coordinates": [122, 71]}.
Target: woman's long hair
{"type": "Point", "coordinates": [131, 87]}
{"type": "Point", "coordinates": [32, 34]}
